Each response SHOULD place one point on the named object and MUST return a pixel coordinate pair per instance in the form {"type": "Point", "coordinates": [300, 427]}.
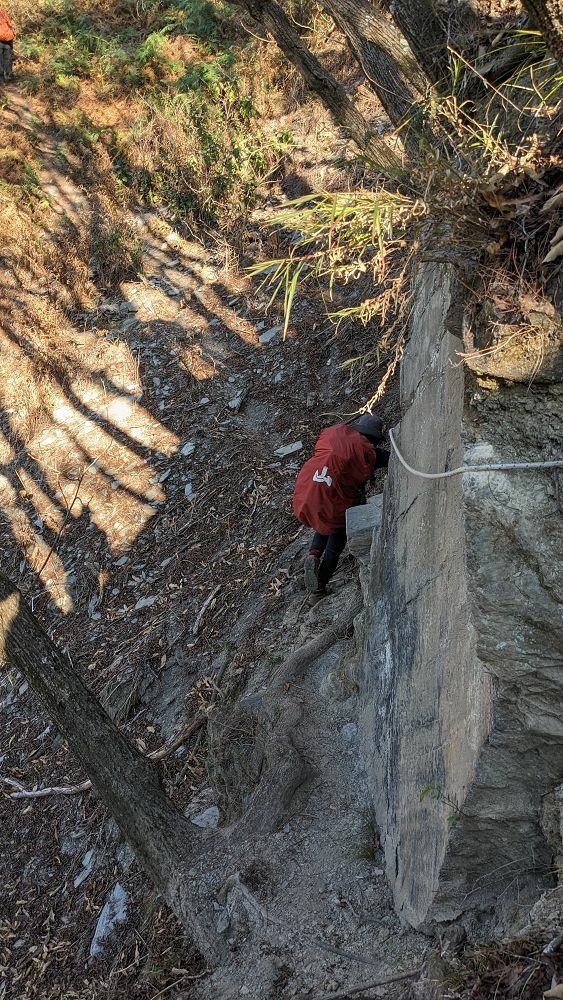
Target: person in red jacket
{"type": "Point", "coordinates": [7, 35]}
{"type": "Point", "coordinates": [334, 479]}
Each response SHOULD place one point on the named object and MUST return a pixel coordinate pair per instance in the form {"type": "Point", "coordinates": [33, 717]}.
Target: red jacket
{"type": "Point", "coordinates": [7, 33]}
{"type": "Point", "coordinates": [332, 479]}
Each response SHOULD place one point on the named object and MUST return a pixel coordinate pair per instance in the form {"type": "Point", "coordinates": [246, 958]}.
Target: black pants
{"type": "Point", "coordinates": [328, 548]}
{"type": "Point", "coordinates": [6, 60]}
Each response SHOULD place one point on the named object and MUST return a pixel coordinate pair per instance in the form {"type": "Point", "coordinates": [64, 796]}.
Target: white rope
{"type": "Point", "coordinates": [510, 467]}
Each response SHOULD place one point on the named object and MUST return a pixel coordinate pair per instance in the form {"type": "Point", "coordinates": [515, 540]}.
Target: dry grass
{"type": "Point", "coordinates": [517, 968]}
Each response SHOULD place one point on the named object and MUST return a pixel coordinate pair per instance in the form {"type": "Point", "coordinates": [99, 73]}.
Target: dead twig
{"type": "Point", "coordinates": [204, 608]}
{"type": "Point", "coordinates": [189, 730]}
{"type": "Point", "coordinates": [41, 793]}
{"type": "Point", "coordinates": [351, 991]}
{"type": "Point", "coordinates": [553, 945]}
{"type": "Point", "coordinates": [161, 754]}
{"type": "Point", "coordinates": [350, 955]}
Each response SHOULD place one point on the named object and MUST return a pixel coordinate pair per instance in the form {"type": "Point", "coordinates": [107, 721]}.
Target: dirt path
{"type": "Point", "coordinates": [311, 911]}
{"type": "Point", "coordinates": [139, 478]}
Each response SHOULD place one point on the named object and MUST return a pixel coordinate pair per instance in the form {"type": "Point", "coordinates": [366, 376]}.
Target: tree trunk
{"type": "Point", "coordinates": [318, 79]}
{"type": "Point", "coordinates": [419, 23]}
{"type": "Point", "coordinates": [382, 53]}
{"type": "Point", "coordinates": [127, 783]}
{"type": "Point", "coordinates": [547, 15]}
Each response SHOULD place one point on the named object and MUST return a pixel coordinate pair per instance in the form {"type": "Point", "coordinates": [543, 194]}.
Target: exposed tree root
{"type": "Point", "coordinates": [281, 710]}
{"type": "Point", "coordinates": [166, 844]}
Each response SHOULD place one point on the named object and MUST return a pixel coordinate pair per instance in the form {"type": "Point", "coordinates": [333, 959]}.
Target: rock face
{"type": "Point", "coordinates": [461, 674]}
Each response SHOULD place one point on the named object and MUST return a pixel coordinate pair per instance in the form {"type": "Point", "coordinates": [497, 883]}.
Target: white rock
{"type": "Point", "coordinates": [208, 819]}
{"type": "Point", "coordinates": [114, 912]}
{"type": "Point", "coordinates": [289, 449]}
{"type": "Point", "coordinates": [87, 867]}
{"type": "Point", "coordinates": [188, 449]}
{"type": "Point", "coordinates": [144, 602]}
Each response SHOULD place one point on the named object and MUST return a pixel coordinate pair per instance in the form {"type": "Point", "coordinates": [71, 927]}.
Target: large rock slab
{"type": "Point", "coordinates": [361, 523]}
{"type": "Point", "coordinates": [461, 693]}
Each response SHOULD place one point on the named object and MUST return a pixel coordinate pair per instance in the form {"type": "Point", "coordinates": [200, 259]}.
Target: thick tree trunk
{"type": "Point", "coordinates": [423, 30]}
{"type": "Point", "coordinates": [383, 54]}
{"type": "Point", "coordinates": [128, 783]}
{"type": "Point", "coordinates": [319, 80]}
{"type": "Point", "coordinates": [547, 15]}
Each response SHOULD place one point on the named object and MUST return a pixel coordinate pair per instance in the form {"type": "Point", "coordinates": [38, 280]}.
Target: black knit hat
{"type": "Point", "coordinates": [370, 426]}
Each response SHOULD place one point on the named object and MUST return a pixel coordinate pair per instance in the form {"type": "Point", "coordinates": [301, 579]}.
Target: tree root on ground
{"type": "Point", "coordinates": [165, 842]}
{"type": "Point", "coordinates": [287, 768]}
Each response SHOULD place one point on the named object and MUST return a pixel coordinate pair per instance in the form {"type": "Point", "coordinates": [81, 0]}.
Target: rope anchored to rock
{"type": "Point", "coordinates": [507, 467]}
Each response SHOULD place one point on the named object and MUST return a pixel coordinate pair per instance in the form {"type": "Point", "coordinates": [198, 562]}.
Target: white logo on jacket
{"type": "Point", "coordinates": [323, 477]}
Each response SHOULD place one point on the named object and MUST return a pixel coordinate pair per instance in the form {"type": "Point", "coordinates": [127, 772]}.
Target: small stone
{"type": "Point", "coordinates": [144, 602]}
{"type": "Point", "coordinates": [278, 376]}
{"type": "Point", "coordinates": [234, 404]}
{"type": "Point", "coordinates": [349, 731]}
{"type": "Point", "coordinates": [113, 912]}
{"type": "Point", "coordinates": [127, 307]}
{"type": "Point", "coordinates": [208, 819]}
{"type": "Point", "coordinates": [188, 449]}
{"type": "Point", "coordinates": [289, 449]}
{"type": "Point", "coordinates": [204, 400]}
{"type": "Point", "coordinates": [269, 335]}
{"type": "Point", "coordinates": [87, 868]}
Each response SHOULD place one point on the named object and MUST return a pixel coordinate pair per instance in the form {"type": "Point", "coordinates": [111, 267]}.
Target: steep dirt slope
{"type": "Point", "coordinates": [147, 518]}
